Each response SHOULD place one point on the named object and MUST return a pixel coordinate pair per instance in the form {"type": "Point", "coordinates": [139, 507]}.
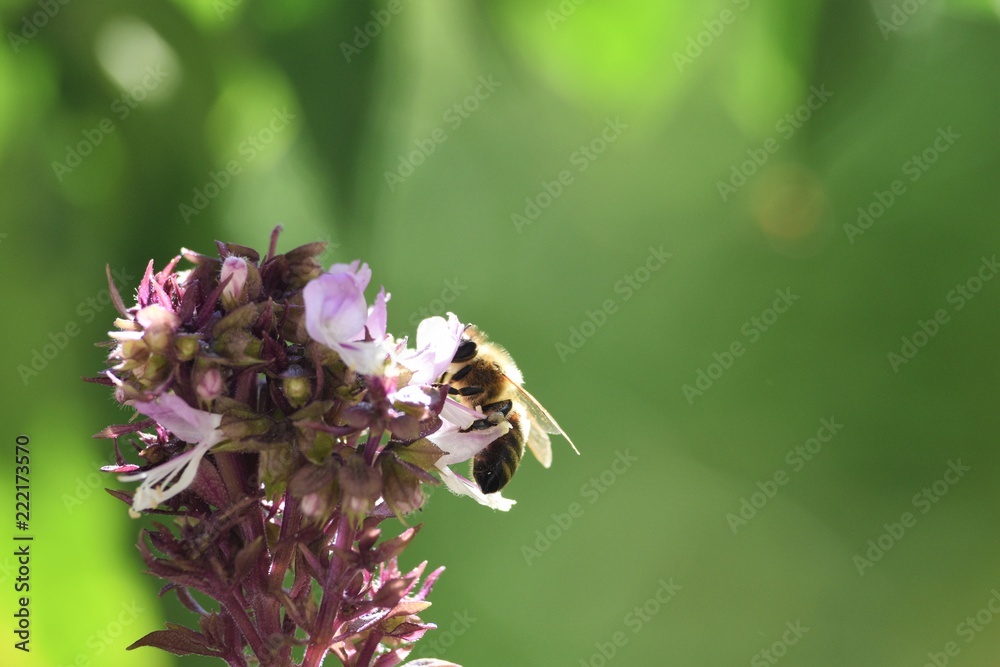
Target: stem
{"type": "Point", "coordinates": [364, 658]}
{"type": "Point", "coordinates": [286, 547]}
{"type": "Point", "coordinates": [236, 660]}
{"type": "Point", "coordinates": [246, 626]}
{"type": "Point", "coordinates": [267, 611]}
{"type": "Point", "coordinates": [371, 445]}
{"type": "Point", "coordinates": [333, 593]}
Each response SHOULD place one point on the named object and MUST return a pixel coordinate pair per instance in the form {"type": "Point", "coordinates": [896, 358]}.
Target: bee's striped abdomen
{"type": "Point", "coordinates": [493, 467]}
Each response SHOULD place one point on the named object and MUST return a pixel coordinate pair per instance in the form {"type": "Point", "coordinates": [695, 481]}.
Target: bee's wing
{"type": "Point", "coordinates": [541, 424]}
{"type": "Point", "coordinates": [538, 441]}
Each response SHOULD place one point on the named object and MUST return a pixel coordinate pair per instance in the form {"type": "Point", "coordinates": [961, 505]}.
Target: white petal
{"type": "Point", "coordinates": [463, 487]}
{"type": "Point", "coordinates": [367, 357]}
{"type": "Point", "coordinates": [156, 315]}
{"type": "Point", "coordinates": [414, 395]}
{"type": "Point", "coordinates": [186, 423]}
{"type": "Point", "coordinates": [127, 335]}
{"type": "Point", "coordinates": [153, 489]}
{"type": "Point", "coordinates": [437, 340]}
{"type": "Point", "coordinates": [461, 446]}
{"type": "Point", "coordinates": [456, 413]}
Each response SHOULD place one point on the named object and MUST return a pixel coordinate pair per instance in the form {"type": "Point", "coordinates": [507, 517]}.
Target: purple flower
{"type": "Point", "coordinates": [337, 316]}
{"type": "Point", "coordinates": [197, 427]}
{"type": "Point", "coordinates": [306, 459]}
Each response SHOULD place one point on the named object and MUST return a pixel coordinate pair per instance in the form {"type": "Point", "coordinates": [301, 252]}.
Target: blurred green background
{"type": "Point", "coordinates": [525, 164]}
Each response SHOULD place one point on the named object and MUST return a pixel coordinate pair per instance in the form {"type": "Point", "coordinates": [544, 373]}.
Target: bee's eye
{"type": "Point", "coordinates": [466, 350]}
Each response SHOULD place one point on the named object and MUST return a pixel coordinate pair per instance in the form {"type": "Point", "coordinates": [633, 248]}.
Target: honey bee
{"type": "Point", "coordinates": [482, 374]}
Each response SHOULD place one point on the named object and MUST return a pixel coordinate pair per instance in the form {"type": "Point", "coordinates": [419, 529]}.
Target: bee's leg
{"type": "Point", "coordinates": [461, 373]}
{"type": "Point", "coordinates": [465, 391]}
{"type": "Point", "coordinates": [500, 407]}
{"type": "Point", "coordinates": [495, 413]}
{"type": "Point", "coordinates": [478, 425]}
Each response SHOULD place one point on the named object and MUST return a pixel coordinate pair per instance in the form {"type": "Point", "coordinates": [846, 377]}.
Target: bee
{"type": "Point", "coordinates": [482, 374]}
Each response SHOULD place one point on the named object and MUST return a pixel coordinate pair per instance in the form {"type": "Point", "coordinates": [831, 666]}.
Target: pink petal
{"type": "Point", "coordinates": [377, 316]}
{"type": "Point", "coordinates": [185, 422]}
{"type": "Point", "coordinates": [335, 309]}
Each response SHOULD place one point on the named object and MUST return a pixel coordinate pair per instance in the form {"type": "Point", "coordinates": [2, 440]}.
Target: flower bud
{"type": "Point", "coordinates": [208, 384]}
{"type": "Point", "coordinates": [234, 269]}
{"type": "Point", "coordinates": [400, 487]}
{"type": "Point", "coordinates": [153, 372]}
{"type": "Point", "coordinates": [186, 347]}
{"type": "Point", "coordinates": [296, 386]}
{"type": "Point", "coordinates": [244, 424]}
{"type": "Point", "coordinates": [133, 354]}
{"type": "Point", "coordinates": [360, 487]}
{"type": "Point", "coordinates": [316, 486]}
{"type": "Point", "coordinates": [159, 326]}
{"type": "Point", "coordinates": [275, 466]}
{"type": "Point", "coordinates": [302, 263]}
{"type": "Point", "coordinates": [238, 345]}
